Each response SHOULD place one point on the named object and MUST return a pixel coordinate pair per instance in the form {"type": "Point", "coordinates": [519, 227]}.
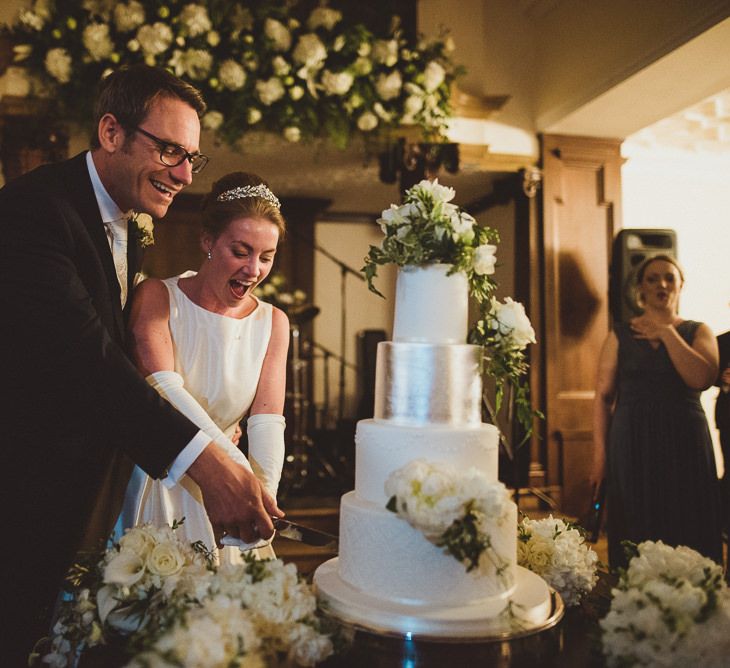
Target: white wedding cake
{"type": "Point", "coordinates": [389, 577]}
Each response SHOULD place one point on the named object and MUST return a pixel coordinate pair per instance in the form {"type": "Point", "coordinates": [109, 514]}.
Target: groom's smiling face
{"type": "Point", "coordinates": [140, 180]}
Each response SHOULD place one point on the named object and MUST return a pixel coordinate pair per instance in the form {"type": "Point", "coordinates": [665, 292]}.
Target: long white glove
{"type": "Point", "coordinates": [170, 385]}
{"type": "Point", "coordinates": [266, 448]}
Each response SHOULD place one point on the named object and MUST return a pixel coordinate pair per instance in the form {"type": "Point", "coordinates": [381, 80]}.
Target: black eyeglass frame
{"type": "Point", "coordinates": [192, 158]}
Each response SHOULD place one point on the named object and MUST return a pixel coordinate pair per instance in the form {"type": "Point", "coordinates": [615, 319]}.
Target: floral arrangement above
{"type": "Point", "coordinates": [454, 510]}
{"type": "Point", "coordinates": [671, 608]}
{"type": "Point", "coordinates": [557, 551]}
{"type": "Point", "coordinates": [427, 229]}
{"type": "Point", "coordinates": [287, 67]}
{"type": "Point", "coordinates": [164, 602]}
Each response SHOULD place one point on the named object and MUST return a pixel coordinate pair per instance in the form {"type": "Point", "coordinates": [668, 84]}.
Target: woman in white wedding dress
{"type": "Point", "coordinates": [216, 352]}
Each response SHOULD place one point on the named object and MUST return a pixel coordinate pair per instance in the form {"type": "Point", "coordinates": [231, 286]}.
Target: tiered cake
{"type": "Point", "coordinates": [388, 576]}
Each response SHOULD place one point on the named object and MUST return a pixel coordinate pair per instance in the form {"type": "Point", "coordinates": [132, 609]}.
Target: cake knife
{"type": "Point", "coordinates": [292, 531]}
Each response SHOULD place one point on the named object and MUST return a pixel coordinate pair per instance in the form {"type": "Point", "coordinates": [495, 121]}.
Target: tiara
{"type": "Point", "coordinates": [240, 192]}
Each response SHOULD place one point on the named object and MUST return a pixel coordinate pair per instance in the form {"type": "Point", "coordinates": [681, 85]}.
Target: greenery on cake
{"type": "Point", "coordinates": [429, 229]}
{"type": "Point", "coordinates": [454, 510]}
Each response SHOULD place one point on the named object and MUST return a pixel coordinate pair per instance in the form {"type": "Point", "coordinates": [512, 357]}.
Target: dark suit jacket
{"type": "Point", "coordinates": [75, 406]}
{"type": "Point", "coordinates": [722, 406]}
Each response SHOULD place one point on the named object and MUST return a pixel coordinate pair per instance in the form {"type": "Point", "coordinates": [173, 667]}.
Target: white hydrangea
{"type": "Point", "coordinates": [154, 39]}
{"type": "Point", "coordinates": [510, 321]}
{"type": "Point", "coordinates": [310, 51]}
{"type": "Point", "coordinates": [324, 17]}
{"type": "Point", "coordinates": [558, 552]}
{"type": "Point", "coordinates": [337, 83]}
{"type": "Point", "coordinates": [195, 63]}
{"type": "Point", "coordinates": [97, 41]}
{"type": "Point", "coordinates": [280, 65]}
{"type": "Point", "coordinates": [670, 608]}
{"type": "Point", "coordinates": [195, 19]}
{"type": "Point", "coordinates": [270, 90]}
{"type": "Point", "coordinates": [129, 16]}
{"type": "Point", "coordinates": [278, 33]}
{"type": "Point", "coordinates": [232, 75]}
{"type": "Point", "coordinates": [58, 64]}
{"type": "Point", "coordinates": [388, 86]}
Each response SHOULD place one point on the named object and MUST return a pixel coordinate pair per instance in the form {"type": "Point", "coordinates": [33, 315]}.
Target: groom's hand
{"type": "Point", "coordinates": [233, 497]}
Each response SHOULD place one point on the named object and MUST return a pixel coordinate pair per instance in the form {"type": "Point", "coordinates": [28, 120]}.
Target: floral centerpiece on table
{"type": "Point", "coordinates": [557, 551]}
{"type": "Point", "coordinates": [287, 67]}
{"type": "Point", "coordinates": [275, 291]}
{"type": "Point", "coordinates": [452, 509]}
{"type": "Point", "coordinates": [172, 606]}
{"type": "Point", "coordinates": [671, 608]}
{"type": "Point", "coordinates": [428, 229]}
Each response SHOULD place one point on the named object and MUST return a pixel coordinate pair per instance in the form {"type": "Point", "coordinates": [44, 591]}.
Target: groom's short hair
{"type": "Point", "coordinates": [129, 92]}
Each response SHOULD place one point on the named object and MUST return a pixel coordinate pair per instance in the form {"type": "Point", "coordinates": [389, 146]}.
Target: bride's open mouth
{"type": "Point", "coordinates": [240, 288]}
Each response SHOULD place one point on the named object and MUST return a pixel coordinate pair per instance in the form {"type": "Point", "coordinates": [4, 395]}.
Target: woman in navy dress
{"type": "Point", "coordinates": [651, 437]}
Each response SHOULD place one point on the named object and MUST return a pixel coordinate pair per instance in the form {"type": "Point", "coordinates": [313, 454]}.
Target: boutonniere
{"type": "Point", "coordinates": [145, 228]}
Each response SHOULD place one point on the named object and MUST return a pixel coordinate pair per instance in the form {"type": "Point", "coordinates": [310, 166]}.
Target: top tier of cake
{"type": "Point", "coordinates": [430, 306]}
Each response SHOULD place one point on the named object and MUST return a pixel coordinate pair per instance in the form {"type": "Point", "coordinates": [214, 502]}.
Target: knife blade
{"type": "Point", "coordinates": [290, 530]}
{"type": "Point", "coordinates": [306, 535]}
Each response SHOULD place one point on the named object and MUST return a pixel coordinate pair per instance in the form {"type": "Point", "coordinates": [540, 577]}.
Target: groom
{"type": "Point", "coordinates": [77, 413]}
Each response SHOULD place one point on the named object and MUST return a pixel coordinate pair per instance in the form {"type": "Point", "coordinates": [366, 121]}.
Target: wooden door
{"type": "Point", "coordinates": [581, 208]}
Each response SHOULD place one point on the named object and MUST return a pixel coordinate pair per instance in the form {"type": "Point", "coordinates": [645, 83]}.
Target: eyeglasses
{"type": "Point", "coordinates": [173, 155]}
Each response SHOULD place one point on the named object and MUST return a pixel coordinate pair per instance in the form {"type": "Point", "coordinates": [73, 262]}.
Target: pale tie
{"type": "Point", "coordinates": [117, 233]}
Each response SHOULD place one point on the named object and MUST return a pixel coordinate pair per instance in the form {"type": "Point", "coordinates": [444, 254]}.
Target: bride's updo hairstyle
{"type": "Point", "coordinates": [240, 195]}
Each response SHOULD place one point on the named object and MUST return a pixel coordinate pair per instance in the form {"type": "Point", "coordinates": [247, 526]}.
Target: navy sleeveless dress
{"type": "Point", "coordinates": [662, 480]}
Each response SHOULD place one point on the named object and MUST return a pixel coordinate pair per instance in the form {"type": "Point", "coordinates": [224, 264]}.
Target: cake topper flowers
{"type": "Point", "coordinates": [429, 229]}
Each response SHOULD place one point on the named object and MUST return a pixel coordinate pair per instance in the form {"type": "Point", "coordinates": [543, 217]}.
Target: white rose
{"type": "Point", "coordinates": [485, 259]}
{"type": "Point", "coordinates": [337, 83]}
{"type": "Point", "coordinates": [154, 39]}
{"type": "Point", "coordinates": [385, 52]}
{"type": "Point", "coordinates": [388, 86]}
{"type": "Point", "coordinates": [296, 93]}
{"type": "Point", "coordinates": [129, 16]}
{"type": "Point", "coordinates": [539, 555]}
{"type": "Point", "coordinates": [138, 539]}
{"type": "Point", "coordinates": [195, 19]}
{"type": "Point", "coordinates": [212, 120]}
{"type": "Point", "coordinates": [511, 321]}
{"type": "Point", "coordinates": [253, 116]}
{"type": "Point", "coordinates": [411, 107]}
{"type": "Point", "coordinates": [270, 91]}
{"type": "Point", "coordinates": [278, 33]}
{"type": "Point", "coordinates": [165, 560]}
{"type": "Point", "coordinates": [292, 134]}
{"type": "Point", "coordinates": [323, 17]}
{"type": "Point", "coordinates": [58, 65]}
{"type": "Point", "coordinates": [367, 121]}
{"type": "Point", "coordinates": [310, 51]}
{"type": "Point", "coordinates": [124, 569]}
{"type": "Point", "coordinates": [433, 76]}
{"type": "Point", "coordinates": [232, 75]}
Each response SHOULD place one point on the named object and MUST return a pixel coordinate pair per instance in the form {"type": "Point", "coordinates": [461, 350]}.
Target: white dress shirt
{"type": "Point", "coordinates": [115, 222]}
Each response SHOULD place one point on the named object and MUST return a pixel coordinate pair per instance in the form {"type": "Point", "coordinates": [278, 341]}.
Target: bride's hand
{"type": "Point", "coordinates": [233, 497]}
{"type": "Point", "coordinates": [236, 438]}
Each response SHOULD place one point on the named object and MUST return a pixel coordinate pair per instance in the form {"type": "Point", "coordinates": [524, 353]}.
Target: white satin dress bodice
{"type": "Point", "coordinates": [220, 360]}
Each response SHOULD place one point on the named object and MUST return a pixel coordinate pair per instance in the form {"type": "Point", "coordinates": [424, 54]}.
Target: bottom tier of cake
{"type": "Point", "coordinates": [530, 608]}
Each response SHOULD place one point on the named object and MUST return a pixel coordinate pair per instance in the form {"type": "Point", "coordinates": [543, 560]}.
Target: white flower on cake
{"type": "Point", "coordinates": [671, 608]}
{"type": "Point", "coordinates": [451, 509]}
{"type": "Point", "coordinates": [179, 610]}
{"type": "Point", "coordinates": [510, 322]}
{"type": "Point", "coordinates": [557, 551]}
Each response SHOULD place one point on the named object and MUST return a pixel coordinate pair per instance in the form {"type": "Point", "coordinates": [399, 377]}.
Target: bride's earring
{"type": "Point", "coordinates": [210, 255]}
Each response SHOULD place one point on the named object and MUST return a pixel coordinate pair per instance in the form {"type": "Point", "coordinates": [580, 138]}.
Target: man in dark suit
{"type": "Point", "coordinates": [722, 421]}
{"type": "Point", "coordinates": [77, 412]}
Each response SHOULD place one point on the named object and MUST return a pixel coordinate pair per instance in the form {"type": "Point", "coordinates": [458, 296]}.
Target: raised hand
{"type": "Point", "coordinates": [644, 327]}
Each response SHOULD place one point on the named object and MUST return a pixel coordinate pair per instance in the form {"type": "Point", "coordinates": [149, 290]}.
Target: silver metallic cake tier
{"type": "Point", "coordinates": [428, 384]}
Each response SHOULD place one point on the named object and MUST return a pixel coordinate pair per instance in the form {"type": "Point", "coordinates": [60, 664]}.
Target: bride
{"type": "Point", "coordinates": [217, 353]}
